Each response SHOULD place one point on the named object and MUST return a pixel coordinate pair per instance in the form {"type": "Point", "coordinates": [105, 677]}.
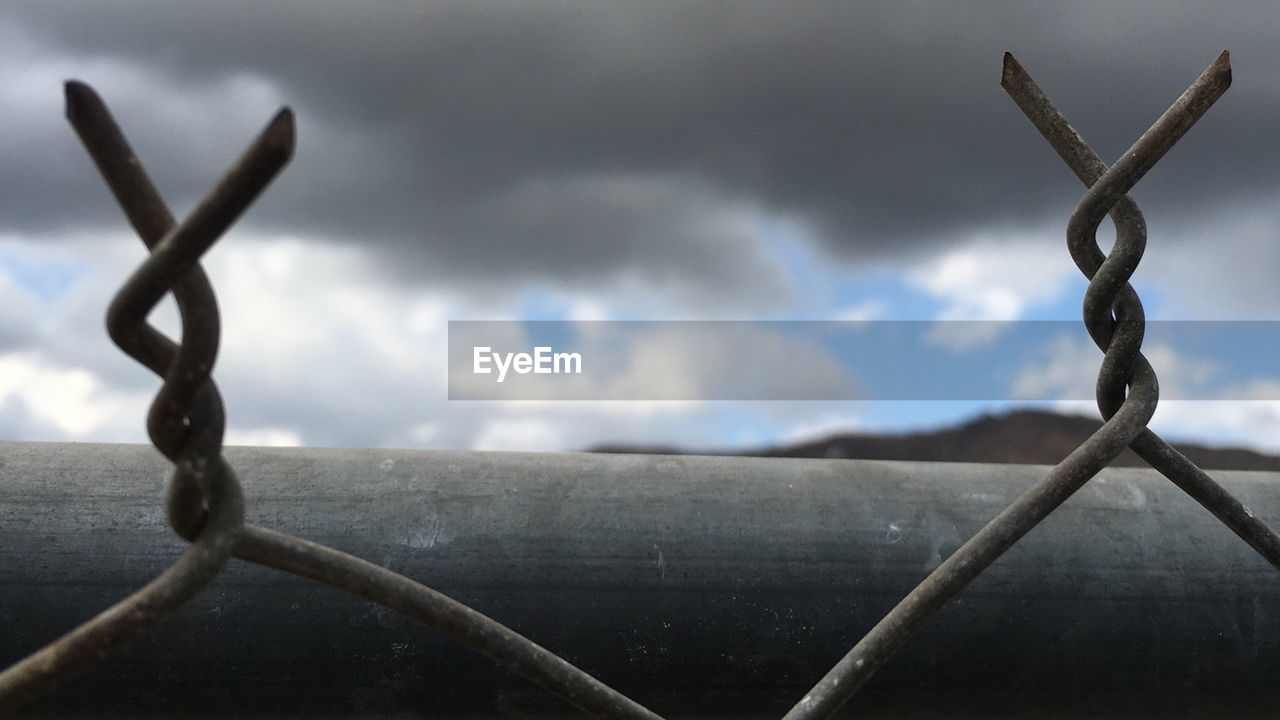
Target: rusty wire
{"type": "Point", "coordinates": [186, 423]}
{"type": "Point", "coordinates": [1087, 166]}
{"type": "Point", "coordinates": [1127, 389]}
{"type": "Point", "coordinates": [204, 504]}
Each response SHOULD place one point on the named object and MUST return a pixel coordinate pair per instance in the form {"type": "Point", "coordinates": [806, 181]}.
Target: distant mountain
{"type": "Point", "coordinates": [1023, 436]}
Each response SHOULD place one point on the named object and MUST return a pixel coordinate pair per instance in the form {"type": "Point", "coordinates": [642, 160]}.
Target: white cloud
{"type": "Point", "coordinates": [822, 426]}
{"type": "Point", "coordinates": [263, 437]}
{"type": "Point", "coordinates": [1240, 420]}
{"type": "Point", "coordinates": [1222, 416]}
{"type": "Point", "coordinates": [1070, 371]}
{"type": "Point", "coordinates": [316, 350]}
{"type": "Point", "coordinates": [963, 335]}
{"type": "Point", "coordinates": [588, 310]}
{"type": "Point", "coordinates": [988, 282]}
{"type": "Point", "coordinates": [1254, 424]}
{"type": "Point", "coordinates": [73, 401]}
{"type": "Point", "coordinates": [995, 276]}
{"type": "Point", "coordinates": [532, 434]}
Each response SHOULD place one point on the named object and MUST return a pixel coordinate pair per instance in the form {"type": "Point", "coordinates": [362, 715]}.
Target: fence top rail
{"type": "Point", "coordinates": [52, 467]}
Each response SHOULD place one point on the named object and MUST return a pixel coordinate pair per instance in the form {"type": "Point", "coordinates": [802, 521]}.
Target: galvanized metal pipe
{"type": "Point", "coordinates": [698, 586]}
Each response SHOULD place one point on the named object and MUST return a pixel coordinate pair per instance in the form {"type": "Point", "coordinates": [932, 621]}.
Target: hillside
{"type": "Point", "coordinates": [1023, 436]}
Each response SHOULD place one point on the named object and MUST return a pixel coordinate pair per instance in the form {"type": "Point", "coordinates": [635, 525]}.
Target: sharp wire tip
{"type": "Point", "coordinates": [1223, 66]}
{"type": "Point", "coordinates": [281, 132]}
{"type": "Point", "coordinates": [76, 93]}
{"type": "Point", "coordinates": [1009, 69]}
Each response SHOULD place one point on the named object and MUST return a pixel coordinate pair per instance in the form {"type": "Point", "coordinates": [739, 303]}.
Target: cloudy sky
{"type": "Point", "coordinates": [642, 160]}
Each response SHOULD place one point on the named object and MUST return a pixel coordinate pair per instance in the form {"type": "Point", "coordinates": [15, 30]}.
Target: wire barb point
{"type": "Point", "coordinates": [281, 133]}
{"type": "Point", "coordinates": [1009, 70]}
{"type": "Point", "coordinates": [1223, 65]}
{"type": "Point", "coordinates": [81, 99]}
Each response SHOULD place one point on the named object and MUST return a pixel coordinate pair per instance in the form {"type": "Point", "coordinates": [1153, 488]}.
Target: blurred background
{"type": "Point", "coordinates": [623, 161]}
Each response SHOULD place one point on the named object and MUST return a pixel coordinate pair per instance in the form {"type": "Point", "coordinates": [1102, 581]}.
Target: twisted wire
{"type": "Point", "coordinates": [186, 422]}
{"type": "Point", "coordinates": [1127, 389]}
{"type": "Point", "coordinates": [1131, 233]}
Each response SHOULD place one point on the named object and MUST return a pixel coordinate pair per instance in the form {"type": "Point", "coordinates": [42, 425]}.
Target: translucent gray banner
{"type": "Point", "coordinates": [836, 360]}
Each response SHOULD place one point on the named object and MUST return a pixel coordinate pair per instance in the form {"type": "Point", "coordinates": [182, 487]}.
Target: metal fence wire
{"type": "Point", "coordinates": [205, 506]}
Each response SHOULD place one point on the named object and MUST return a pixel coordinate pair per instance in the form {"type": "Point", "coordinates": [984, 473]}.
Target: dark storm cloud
{"type": "Point", "coordinates": [574, 141]}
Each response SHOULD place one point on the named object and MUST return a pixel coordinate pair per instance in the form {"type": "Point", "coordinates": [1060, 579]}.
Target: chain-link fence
{"type": "Point", "coordinates": [205, 505]}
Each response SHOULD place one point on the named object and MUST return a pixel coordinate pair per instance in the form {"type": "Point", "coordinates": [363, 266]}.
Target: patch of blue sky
{"type": "Point", "coordinates": [1157, 300]}
{"type": "Point", "coordinates": [892, 296]}
{"type": "Point", "coordinates": [925, 360]}
{"type": "Point", "coordinates": [1158, 303]}
{"type": "Point", "coordinates": [560, 336]}
{"type": "Point", "coordinates": [540, 303]}
{"type": "Point", "coordinates": [44, 274]}
{"type": "Point", "coordinates": [827, 287]}
{"type": "Point", "coordinates": [1237, 358]}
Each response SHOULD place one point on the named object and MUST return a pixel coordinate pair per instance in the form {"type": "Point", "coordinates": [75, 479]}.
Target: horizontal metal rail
{"type": "Point", "coordinates": [698, 586]}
